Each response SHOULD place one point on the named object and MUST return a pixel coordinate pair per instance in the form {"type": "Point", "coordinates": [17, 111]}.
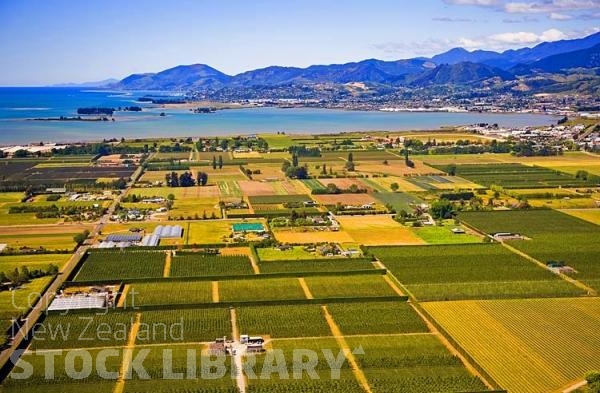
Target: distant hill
{"type": "Point", "coordinates": [182, 77]}
{"type": "Point", "coordinates": [87, 84]}
{"type": "Point", "coordinates": [512, 57]}
{"type": "Point", "coordinates": [458, 74]}
{"type": "Point", "coordinates": [456, 66]}
{"type": "Point", "coordinates": [584, 58]}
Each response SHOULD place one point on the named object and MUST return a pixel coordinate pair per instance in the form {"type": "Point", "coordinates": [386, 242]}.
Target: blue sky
{"type": "Point", "coordinates": [53, 41]}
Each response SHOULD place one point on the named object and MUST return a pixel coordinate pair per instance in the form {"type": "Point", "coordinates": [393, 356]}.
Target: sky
{"type": "Point", "coordinates": [44, 42]}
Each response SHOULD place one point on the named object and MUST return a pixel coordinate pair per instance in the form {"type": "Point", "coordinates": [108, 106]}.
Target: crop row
{"type": "Point", "coordinates": [197, 264]}
{"type": "Point", "coordinates": [121, 265]}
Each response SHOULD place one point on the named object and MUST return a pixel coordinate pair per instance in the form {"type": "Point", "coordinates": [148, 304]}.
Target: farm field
{"type": "Point", "coordinates": [515, 175]}
{"type": "Point", "coordinates": [371, 285]}
{"type": "Point", "coordinates": [398, 200]}
{"type": "Point", "coordinates": [307, 236]}
{"type": "Point", "coordinates": [591, 215]}
{"type": "Point", "coordinates": [277, 141]}
{"type": "Point", "coordinates": [62, 382]}
{"type": "Point", "coordinates": [472, 271]}
{"type": "Point", "coordinates": [383, 184]}
{"type": "Point", "coordinates": [415, 363]}
{"type": "Point", "coordinates": [14, 303]}
{"type": "Point", "coordinates": [316, 265]}
{"type": "Point", "coordinates": [209, 231]}
{"type": "Point", "coordinates": [35, 261]}
{"type": "Point", "coordinates": [166, 292]}
{"type": "Point", "coordinates": [555, 236]}
{"type": "Point", "coordinates": [111, 265]}
{"type": "Point", "coordinates": [391, 318]}
{"type": "Point", "coordinates": [260, 289]}
{"type": "Point", "coordinates": [395, 168]}
{"type": "Point", "coordinates": [509, 339]}
{"type": "Point", "coordinates": [285, 321]}
{"type": "Point", "coordinates": [444, 235]}
{"type": "Point", "coordinates": [188, 264]}
{"type": "Point", "coordinates": [377, 230]}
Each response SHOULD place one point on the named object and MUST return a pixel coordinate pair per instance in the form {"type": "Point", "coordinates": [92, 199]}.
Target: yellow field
{"type": "Point", "coordinates": [303, 236]}
{"type": "Point", "coordinates": [189, 201]}
{"type": "Point", "coordinates": [210, 231]}
{"type": "Point", "coordinates": [250, 154]}
{"type": "Point", "coordinates": [526, 345]}
{"type": "Point", "coordinates": [386, 182]}
{"type": "Point", "coordinates": [51, 237]}
{"type": "Point", "coordinates": [591, 215]}
{"type": "Point", "coordinates": [396, 168]}
{"type": "Point", "coordinates": [377, 230]}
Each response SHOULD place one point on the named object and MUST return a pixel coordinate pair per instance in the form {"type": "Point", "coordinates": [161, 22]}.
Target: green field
{"type": "Point", "coordinates": [398, 200]}
{"type": "Point", "coordinates": [188, 325]}
{"type": "Point", "coordinates": [556, 340]}
{"type": "Point", "coordinates": [316, 265]}
{"type": "Point", "coordinates": [388, 317]}
{"type": "Point", "coordinates": [515, 176]}
{"type": "Point", "coordinates": [61, 381]}
{"type": "Point", "coordinates": [260, 289]}
{"type": "Point", "coordinates": [34, 261]}
{"type": "Point", "coordinates": [412, 364]}
{"type": "Point", "coordinates": [283, 321]}
{"type": "Point", "coordinates": [371, 285]}
{"type": "Point", "coordinates": [87, 330]}
{"type": "Point", "coordinates": [166, 292]}
{"type": "Point", "coordinates": [197, 264]}
{"type": "Point", "coordinates": [555, 236]}
{"type": "Point", "coordinates": [443, 234]}
{"type": "Point", "coordinates": [475, 271]}
{"type": "Point", "coordinates": [113, 265]}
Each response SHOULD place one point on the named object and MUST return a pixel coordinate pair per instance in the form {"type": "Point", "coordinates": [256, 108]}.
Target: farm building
{"type": "Point", "coordinates": [168, 231]}
{"type": "Point", "coordinates": [248, 227]}
{"type": "Point", "coordinates": [77, 303]}
{"type": "Point", "coordinates": [111, 244]}
{"type": "Point", "coordinates": [150, 241]}
{"type": "Point", "coordinates": [124, 237]}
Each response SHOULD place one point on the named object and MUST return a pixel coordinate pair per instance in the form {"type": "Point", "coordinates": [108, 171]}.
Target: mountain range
{"type": "Point", "coordinates": [454, 67]}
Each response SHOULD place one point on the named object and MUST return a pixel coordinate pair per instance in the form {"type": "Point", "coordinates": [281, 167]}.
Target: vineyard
{"type": "Point", "coordinates": [412, 364]}
{"type": "Point", "coordinates": [283, 321]}
{"type": "Point", "coordinates": [316, 265]}
{"type": "Point", "coordinates": [79, 330]}
{"type": "Point", "coordinates": [555, 340]}
{"type": "Point", "coordinates": [555, 236]}
{"type": "Point", "coordinates": [121, 265]}
{"type": "Point", "coordinates": [474, 271]}
{"type": "Point", "coordinates": [388, 317]}
{"type": "Point", "coordinates": [198, 325]}
{"type": "Point", "coordinates": [516, 176]}
{"type": "Point", "coordinates": [197, 264]}
{"type": "Point", "coordinates": [259, 290]}
{"type": "Point", "coordinates": [163, 292]}
{"type": "Point", "coordinates": [349, 286]}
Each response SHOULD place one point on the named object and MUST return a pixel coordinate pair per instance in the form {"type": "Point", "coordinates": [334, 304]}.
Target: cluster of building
{"type": "Point", "coordinates": [41, 148]}
{"type": "Point", "coordinates": [123, 240]}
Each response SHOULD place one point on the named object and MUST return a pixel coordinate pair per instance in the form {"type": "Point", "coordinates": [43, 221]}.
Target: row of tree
{"type": "Point", "coordinates": [186, 179]}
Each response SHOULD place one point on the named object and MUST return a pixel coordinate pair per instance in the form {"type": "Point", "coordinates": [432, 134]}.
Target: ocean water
{"type": "Point", "coordinates": [17, 105]}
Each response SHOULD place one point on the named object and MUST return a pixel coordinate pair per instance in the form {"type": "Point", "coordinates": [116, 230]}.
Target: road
{"type": "Point", "coordinates": [37, 310]}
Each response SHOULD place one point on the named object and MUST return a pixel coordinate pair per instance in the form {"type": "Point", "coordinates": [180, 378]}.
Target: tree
{"type": "Point", "coordinates": [186, 179]}
{"type": "Point", "coordinates": [220, 162]}
{"type": "Point", "coordinates": [294, 160]}
{"type": "Point", "coordinates": [24, 274]}
{"type": "Point", "coordinates": [324, 169]}
{"type": "Point", "coordinates": [442, 209]}
{"type": "Point", "coordinates": [202, 178]}
{"type": "Point", "coordinates": [394, 187]}
{"type": "Point", "coordinates": [350, 162]}
{"type": "Point", "coordinates": [171, 197]}
{"type": "Point", "coordinates": [350, 157]}
{"type": "Point", "coordinates": [581, 174]}
{"type": "Point", "coordinates": [593, 380]}
{"type": "Point", "coordinates": [14, 276]}
{"type": "Point", "coordinates": [452, 170]}
{"type": "Point", "coordinates": [214, 162]}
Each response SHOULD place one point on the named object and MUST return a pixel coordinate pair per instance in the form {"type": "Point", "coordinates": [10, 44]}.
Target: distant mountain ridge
{"type": "Point", "coordinates": [456, 66]}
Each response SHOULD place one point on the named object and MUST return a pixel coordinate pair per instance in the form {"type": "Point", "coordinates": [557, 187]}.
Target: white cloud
{"type": "Point", "coordinates": [484, 3]}
{"type": "Point", "coordinates": [451, 20]}
{"type": "Point", "coordinates": [559, 16]}
{"type": "Point", "coordinates": [550, 6]}
{"type": "Point", "coordinates": [552, 35]}
{"type": "Point", "coordinates": [516, 38]}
